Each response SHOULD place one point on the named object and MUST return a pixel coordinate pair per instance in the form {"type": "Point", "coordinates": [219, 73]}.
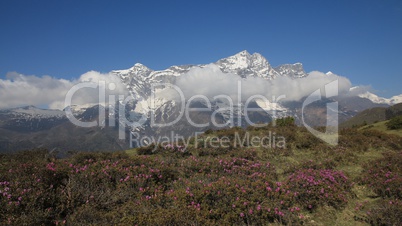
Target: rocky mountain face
{"type": "Point", "coordinates": [28, 127]}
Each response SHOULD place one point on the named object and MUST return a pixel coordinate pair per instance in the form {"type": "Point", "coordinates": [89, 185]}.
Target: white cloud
{"type": "Point", "coordinates": [355, 91]}
{"type": "Point", "coordinates": [19, 90]}
{"type": "Point", "coordinates": [210, 81]}
{"type": "Point", "coordinates": [91, 95]}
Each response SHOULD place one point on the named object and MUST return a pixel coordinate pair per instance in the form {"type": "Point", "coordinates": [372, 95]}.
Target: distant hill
{"type": "Point", "coordinates": [373, 115]}
{"type": "Point", "coordinates": [30, 127]}
{"type": "Point", "coordinates": [394, 111]}
{"type": "Point", "coordinates": [381, 126]}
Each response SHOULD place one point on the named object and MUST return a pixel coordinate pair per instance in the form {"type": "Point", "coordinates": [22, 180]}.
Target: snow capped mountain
{"type": "Point", "coordinates": [237, 61]}
{"type": "Point", "coordinates": [33, 112]}
{"type": "Point", "coordinates": [138, 70]}
{"type": "Point", "coordinates": [246, 65]}
{"type": "Point", "coordinates": [396, 99]}
{"type": "Point", "coordinates": [255, 65]}
{"type": "Point", "coordinates": [138, 79]}
{"type": "Point", "coordinates": [381, 100]}
{"type": "Point", "coordinates": [242, 64]}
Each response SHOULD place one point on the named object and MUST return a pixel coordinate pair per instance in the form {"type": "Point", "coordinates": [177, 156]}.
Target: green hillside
{"type": "Point", "coordinates": [394, 111]}
{"type": "Point", "coordinates": [381, 126]}
{"type": "Point", "coordinates": [373, 115]}
{"type": "Point", "coordinates": [366, 117]}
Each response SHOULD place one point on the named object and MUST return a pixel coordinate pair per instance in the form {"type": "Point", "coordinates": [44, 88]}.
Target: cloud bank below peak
{"type": "Point", "coordinates": [210, 81]}
{"type": "Point", "coordinates": [49, 92]}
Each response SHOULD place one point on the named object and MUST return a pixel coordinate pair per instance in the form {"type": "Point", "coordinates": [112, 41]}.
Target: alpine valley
{"type": "Point", "coordinates": [31, 127]}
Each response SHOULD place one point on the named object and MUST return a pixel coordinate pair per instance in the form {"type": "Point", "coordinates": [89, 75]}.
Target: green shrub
{"type": "Point", "coordinates": [148, 150]}
{"type": "Point", "coordinates": [286, 121]}
{"type": "Point", "coordinates": [395, 123]}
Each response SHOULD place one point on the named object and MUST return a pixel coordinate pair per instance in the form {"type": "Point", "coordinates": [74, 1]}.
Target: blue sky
{"type": "Point", "coordinates": [361, 40]}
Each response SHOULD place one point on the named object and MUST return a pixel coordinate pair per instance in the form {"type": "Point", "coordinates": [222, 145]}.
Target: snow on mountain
{"type": "Point", "coordinates": [135, 79]}
{"type": "Point", "coordinates": [396, 99]}
{"type": "Point", "coordinates": [139, 78]}
{"type": "Point", "coordinates": [292, 70]}
{"type": "Point", "coordinates": [78, 109]}
{"type": "Point", "coordinates": [269, 106]}
{"type": "Point", "coordinates": [145, 106]}
{"type": "Point", "coordinates": [246, 65]}
{"type": "Point", "coordinates": [255, 65]}
{"type": "Point", "coordinates": [137, 70]}
{"type": "Point", "coordinates": [238, 61]}
{"type": "Point", "coordinates": [34, 112]}
{"type": "Point", "coordinates": [381, 100]}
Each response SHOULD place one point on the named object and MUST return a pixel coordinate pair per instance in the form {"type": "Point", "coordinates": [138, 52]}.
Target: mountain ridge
{"type": "Point", "coordinates": [257, 65]}
{"type": "Point", "coordinates": [138, 80]}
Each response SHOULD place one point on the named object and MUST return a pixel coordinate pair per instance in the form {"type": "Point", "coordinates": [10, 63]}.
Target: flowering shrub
{"type": "Point", "coordinates": [387, 212]}
{"type": "Point", "coordinates": [170, 185]}
{"type": "Point", "coordinates": [383, 212]}
{"type": "Point", "coordinates": [310, 164]}
{"type": "Point", "coordinates": [378, 139]}
{"type": "Point", "coordinates": [170, 149]}
{"type": "Point", "coordinates": [384, 175]}
{"type": "Point", "coordinates": [315, 187]}
{"type": "Point", "coordinates": [92, 188]}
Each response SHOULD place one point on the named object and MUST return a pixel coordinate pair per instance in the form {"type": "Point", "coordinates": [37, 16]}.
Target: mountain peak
{"type": "Point", "coordinates": [243, 53]}
{"type": "Point", "coordinates": [140, 66]}
{"type": "Point", "coordinates": [246, 65]}
{"type": "Point", "coordinates": [138, 70]}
